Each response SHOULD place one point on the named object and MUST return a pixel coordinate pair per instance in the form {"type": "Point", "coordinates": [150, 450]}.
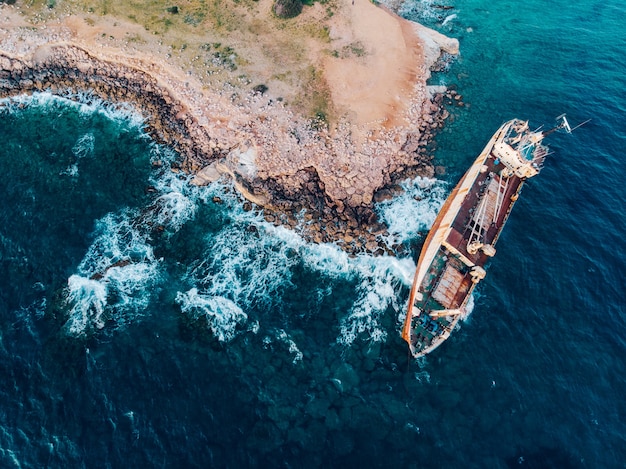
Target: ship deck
{"type": "Point", "coordinates": [498, 196]}
{"type": "Point", "coordinates": [448, 283]}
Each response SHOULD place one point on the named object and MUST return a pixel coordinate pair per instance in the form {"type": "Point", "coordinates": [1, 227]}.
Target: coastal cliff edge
{"type": "Point", "coordinates": [379, 114]}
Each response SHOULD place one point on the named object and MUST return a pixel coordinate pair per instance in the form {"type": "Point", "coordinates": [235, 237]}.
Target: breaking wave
{"type": "Point", "coordinates": [243, 270]}
{"type": "Point", "coordinates": [411, 214]}
{"type": "Point", "coordinates": [86, 102]}
{"type": "Point", "coordinates": [252, 263]}
{"type": "Point", "coordinates": [222, 315]}
{"type": "Point", "coordinates": [87, 299]}
{"type": "Point", "coordinates": [114, 278]}
{"type": "Point", "coordinates": [426, 10]}
{"type": "Point", "coordinates": [377, 291]}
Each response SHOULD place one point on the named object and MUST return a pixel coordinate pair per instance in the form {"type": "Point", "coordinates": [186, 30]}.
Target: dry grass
{"type": "Point", "coordinates": [220, 40]}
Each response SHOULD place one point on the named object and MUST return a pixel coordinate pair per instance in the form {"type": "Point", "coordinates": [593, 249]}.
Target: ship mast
{"type": "Point", "coordinates": [563, 124]}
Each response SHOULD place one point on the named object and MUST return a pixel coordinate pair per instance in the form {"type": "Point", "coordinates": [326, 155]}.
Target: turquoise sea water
{"type": "Point", "coordinates": [144, 322]}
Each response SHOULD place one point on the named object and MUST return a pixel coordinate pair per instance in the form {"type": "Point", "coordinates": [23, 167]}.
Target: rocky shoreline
{"type": "Point", "coordinates": [325, 203]}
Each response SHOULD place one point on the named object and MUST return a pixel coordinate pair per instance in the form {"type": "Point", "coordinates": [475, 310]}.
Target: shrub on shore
{"type": "Point", "coordinates": [287, 8]}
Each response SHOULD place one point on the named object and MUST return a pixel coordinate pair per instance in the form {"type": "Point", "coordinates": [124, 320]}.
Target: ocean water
{"type": "Point", "coordinates": [148, 323]}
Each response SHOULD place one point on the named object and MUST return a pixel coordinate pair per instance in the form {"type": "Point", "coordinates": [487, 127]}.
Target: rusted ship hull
{"type": "Point", "coordinates": [463, 236]}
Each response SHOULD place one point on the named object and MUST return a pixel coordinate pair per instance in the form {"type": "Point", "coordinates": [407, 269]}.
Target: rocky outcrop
{"type": "Point", "coordinates": [288, 170]}
{"type": "Point", "coordinates": [59, 68]}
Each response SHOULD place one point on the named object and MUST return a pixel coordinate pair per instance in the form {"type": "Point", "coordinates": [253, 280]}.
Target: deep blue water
{"type": "Point", "coordinates": [145, 322]}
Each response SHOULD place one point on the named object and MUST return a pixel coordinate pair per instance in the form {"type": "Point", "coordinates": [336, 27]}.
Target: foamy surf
{"type": "Point", "coordinates": [426, 10]}
{"type": "Point", "coordinates": [85, 102]}
{"type": "Point", "coordinates": [246, 264]}
{"type": "Point", "coordinates": [86, 300]}
{"type": "Point", "coordinates": [176, 200]}
{"type": "Point", "coordinates": [115, 276]}
{"type": "Point", "coordinates": [281, 339]}
{"type": "Point", "coordinates": [411, 214]}
{"type": "Point", "coordinates": [84, 146]}
{"type": "Point", "coordinates": [380, 280]}
{"type": "Point", "coordinates": [223, 316]}
{"type": "Point", "coordinates": [469, 308]}
{"type": "Point", "coordinates": [448, 19]}
{"type": "Point", "coordinates": [254, 267]}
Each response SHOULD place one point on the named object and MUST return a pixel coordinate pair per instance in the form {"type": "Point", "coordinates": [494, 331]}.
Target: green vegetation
{"type": "Point", "coordinates": [314, 30]}
{"type": "Point", "coordinates": [260, 89]}
{"type": "Point", "coordinates": [287, 8]}
{"type": "Point", "coordinates": [355, 49]}
{"type": "Point", "coordinates": [201, 36]}
{"type": "Point", "coordinates": [311, 2]}
{"type": "Point", "coordinates": [217, 56]}
{"type": "Point", "coordinates": [319, 121]}
{"type": "Point", "coordinates": [316, 95]}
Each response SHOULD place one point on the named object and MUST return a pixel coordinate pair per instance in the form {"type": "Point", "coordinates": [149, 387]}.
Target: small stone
{"type": "Point", "coordinates": [377, 229]}
{"type": "Point", "coordinates": [382, 195]}
{"type": "Point", "coordinates": [371, 246]}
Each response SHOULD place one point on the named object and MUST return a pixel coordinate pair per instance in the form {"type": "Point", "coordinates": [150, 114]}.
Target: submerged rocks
{"type": "Point", "coordinates": [345, 377]}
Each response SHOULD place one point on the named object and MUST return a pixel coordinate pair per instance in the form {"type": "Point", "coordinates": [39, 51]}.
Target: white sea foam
{"type": "Point", "coordinates": [222, 315]}
{"type": "Point", "coordinates": [84, 146]}
{"type": "Point", "coordinates": [329, 259]}
{"type": "Point", "coordinates": [411, 214]}
{"type": "Point", "coordinates": [240, 268]}
{"type": "Point", "coordinates": [85, 102]}
{"type": "Point", "coordinates": [469, 308]}
{"type": "Point", "coordinates": [87, 299]}
{"type": "Point", "coordinates": [173, 210]}
{"type": "Point", "coordinates": [284, 339]}
{"type": "Point", "coordinates": [130, 282]}
{"type": "Point", "coordinates": [249, 269]}
{"type": "Point", "coordinates": [177, 202]}
{"type": "Point", "coordinates": [71, 171]}
{"type": "Point", "coordinates": [292, 347]}
{"type": "Point", "coordinates": [117, 240]}
{"type": "Point", "coordinates": [377, 291]}
{"type": "Point", "coordinates": [114, 278]}
{"type": "Point", "coordinates": [253, 269]}
{"type": "Point", "coordinates": [419, 9]}
{"type": "Point", "coordinates": [448, 19]}
{"type": "Point", "coordinates": [88, 103]}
